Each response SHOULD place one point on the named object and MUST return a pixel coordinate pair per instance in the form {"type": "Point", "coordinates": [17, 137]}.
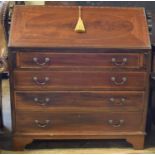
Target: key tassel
{"type": "Point", "coordinates": [80, 28]}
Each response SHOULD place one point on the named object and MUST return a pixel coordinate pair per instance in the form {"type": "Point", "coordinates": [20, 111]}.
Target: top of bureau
{"type": "Point", "coordinates": [53, 27]}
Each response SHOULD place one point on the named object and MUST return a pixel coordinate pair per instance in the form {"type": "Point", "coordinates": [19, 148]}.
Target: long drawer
{"type": "Point", "coordinates": [62, 123]}
{"type": "Point", "coordinates": [79, 80]}
{"type": "Point", "coordinates": [110, 100]}
{"type": "Point", "coordinates": [103, 60]}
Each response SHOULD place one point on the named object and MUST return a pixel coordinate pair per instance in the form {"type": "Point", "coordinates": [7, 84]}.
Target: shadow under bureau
{"type": "Point", "coordinates": [86, 84]}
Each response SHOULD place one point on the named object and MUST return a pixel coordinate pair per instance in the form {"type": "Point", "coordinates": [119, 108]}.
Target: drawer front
{"type": "Point", "coordinates": [67, 100]}
{"type": "Point", "coordinates": [104, 60]}
{"type": "Point", "coordinates": [62, 123]}
{"type": "Point", "coordinates": [79, 80]}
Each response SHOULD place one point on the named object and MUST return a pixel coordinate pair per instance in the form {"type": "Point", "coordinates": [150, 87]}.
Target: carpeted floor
{"type": "Point", "coordinates": [68, 147]}
{"type": "Point", "coordinates": [83, 151]}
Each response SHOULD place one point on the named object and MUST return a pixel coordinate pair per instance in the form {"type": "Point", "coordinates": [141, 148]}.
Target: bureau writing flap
{"type": "Point", "coordinates": [48, 26]}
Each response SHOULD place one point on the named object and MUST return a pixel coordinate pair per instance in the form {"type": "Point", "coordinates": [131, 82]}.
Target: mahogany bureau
{"type": "Point", "coordinates": [85, 83]}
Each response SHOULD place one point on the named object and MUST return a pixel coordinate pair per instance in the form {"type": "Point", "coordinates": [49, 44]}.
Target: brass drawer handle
{"type": "Point", "coordinates": [119, 63]}
{"type": "Point", "coordinates": [42, 102]}
{"type": "Point", "coordinates": [121, 102]}
{"type": "Point", "coordinates": [116, 82]}
{"type": "Point", "coordinates": [36, 60]}
{"type": "Point", "coordinates": [42, 124]}
{"type": "Point", "coordinates": [115, 123]}
{"type": "Point", "coordinates": [40, 82]}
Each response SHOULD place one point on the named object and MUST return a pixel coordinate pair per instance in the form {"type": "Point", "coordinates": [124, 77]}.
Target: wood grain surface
{"type": "Point", "coordinates": [47, 26]}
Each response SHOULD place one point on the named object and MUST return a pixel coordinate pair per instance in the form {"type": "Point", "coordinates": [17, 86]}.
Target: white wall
{"type": "Point", "coordinates": [34, 2]}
